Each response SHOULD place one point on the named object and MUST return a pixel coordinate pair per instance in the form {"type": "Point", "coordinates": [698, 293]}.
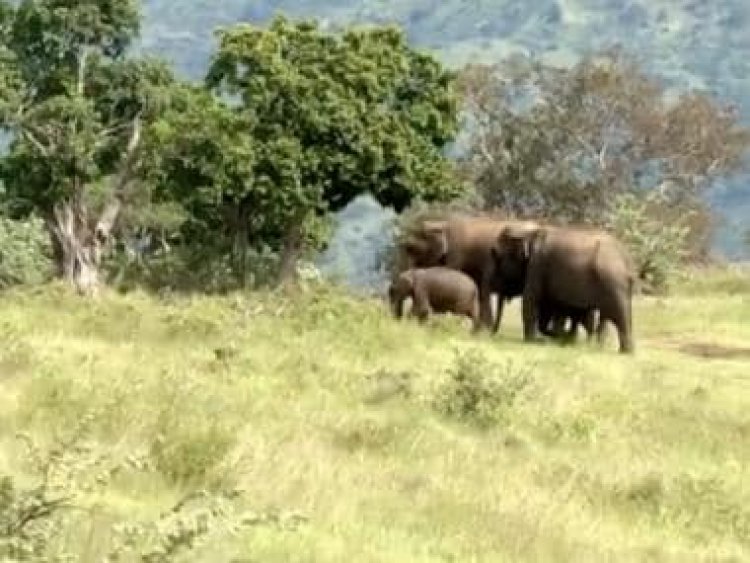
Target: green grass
{"type": "Point", "coordinates": [396, 442]}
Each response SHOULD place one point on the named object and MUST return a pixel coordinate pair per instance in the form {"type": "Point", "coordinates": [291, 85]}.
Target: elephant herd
{"type": "Point", "coordinates": [562, 273]}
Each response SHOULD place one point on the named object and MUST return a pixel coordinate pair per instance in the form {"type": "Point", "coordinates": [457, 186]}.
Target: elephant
{"type": "Point", "coordinates": [437, 289]}
{"type": "Point", "coordinates": [573, 267]}
{"type": "Point", "coordinates": [464, 243]}
{"type": "Point", "coordinates": [557, 314]}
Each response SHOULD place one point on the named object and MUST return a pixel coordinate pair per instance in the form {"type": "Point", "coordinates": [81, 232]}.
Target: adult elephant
{"type": "Point", "coordinates": [573, 267]}
{"type": "Point", "coordinates": [465, 243]}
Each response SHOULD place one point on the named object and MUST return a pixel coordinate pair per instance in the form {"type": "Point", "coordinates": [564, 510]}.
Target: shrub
{"type": "Point", "coordinates": [658, 245]}
{"type": "Point", "coordinates": [35, 518]}
{"type": "Point", "coordinates": [479, 391]}
{"type": "Point", "coordinates": [189, 268]}
{"type": "Point", "coordinates": [25, 252]}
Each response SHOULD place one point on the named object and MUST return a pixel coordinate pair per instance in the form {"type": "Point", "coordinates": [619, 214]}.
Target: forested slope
{"type": "Point", "coordinates": [689, 44]}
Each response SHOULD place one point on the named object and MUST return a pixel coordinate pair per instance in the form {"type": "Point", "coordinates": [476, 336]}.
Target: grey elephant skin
{"type": "Point", "coordinates": [435, 290]}
{"type": "Point", "coordinates": [557, 314]}
{"type": "Point", "coordinates": [573, 267]}
{"type": "Point", "coordinates": [465, 243]}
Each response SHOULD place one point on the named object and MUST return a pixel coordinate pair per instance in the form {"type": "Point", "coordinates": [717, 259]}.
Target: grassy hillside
{"type": "Point", "coordinates": [319, 406]}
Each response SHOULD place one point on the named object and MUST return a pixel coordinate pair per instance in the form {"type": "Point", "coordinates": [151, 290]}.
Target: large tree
{"type": "Point", "coordinates": [563, 142]}
{"type": "Point", "coordinates": [312, 119]}
{"type": "Point", "coordinates": [76, 109]}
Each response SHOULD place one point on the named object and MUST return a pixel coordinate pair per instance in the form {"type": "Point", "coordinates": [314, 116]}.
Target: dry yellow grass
{"type": "Point", "coordinates": [321, 403]}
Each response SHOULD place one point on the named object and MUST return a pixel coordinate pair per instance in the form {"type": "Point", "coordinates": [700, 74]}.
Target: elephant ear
{"type": "Point", "coordinates": [524, 243]}
{"type": "Point", "coordinates": [406, 279]}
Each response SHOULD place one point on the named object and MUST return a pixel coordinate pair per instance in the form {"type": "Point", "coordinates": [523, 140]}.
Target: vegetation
{"type": "Point", "coordinates": [318, 428]}
{"type": "Point", "coordinates": [565, 143]}
{"type": "Point", "coordinates": [75, 106]}
{"type": "Point", "coordinates": [25, 254]}
{"type": "Point", "coordinates": [320, 118]}
{"type": "Point", "coordinates": [687, 45]}
{"type": "Point", "coordinates": [305, 423]}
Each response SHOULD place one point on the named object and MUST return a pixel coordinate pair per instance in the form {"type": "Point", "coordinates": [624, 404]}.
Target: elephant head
{"type": "Point", "coordinates": [514, 247]}
{"type": "Point", "coordinates": [428, 245]}
{"type": "Point", "coordinates": [399, 289]}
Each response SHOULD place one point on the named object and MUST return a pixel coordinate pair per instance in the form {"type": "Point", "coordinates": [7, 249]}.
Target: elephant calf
{"type": "Point", "coordinates": [557, 314]}
{"type": "Point", "coordinates": [435, 290]}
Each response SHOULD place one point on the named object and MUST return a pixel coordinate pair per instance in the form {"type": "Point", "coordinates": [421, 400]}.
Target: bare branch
{"type": "Point", "coordinates": [82, 71]}
{"type": "Point", "coordinates": [106, 134]}
{"type": "Point", "coordinates": [112, 209]}
{"type": "Point", "coordinates": [602, 157]}
{"type": "Point", "coordinates": [482, 146]}
{"type": "Point", "coordinates": [34, 141]}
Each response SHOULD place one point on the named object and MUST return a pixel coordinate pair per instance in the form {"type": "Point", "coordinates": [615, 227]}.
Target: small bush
{"type": "Point", "coordinates": [34, 518]}
{"type": "Point", "coordinates": [25, 252]}
{"type": "Point", "coordinates": [657, 246]}
{"type": "Point", "coordinates": [189, 525]}
{"type": "Point", "coordinates": [189, 454]}
{"type": "Point", "coordinates": [479, 391]}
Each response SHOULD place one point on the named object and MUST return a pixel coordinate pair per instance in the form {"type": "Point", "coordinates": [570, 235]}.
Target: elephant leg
{"type": "Point", "coordinates": [558, 326]}
{"type": "Point", "coordinates": [534, 303]}
{"type": "Point", "coordinates": [530, 316]}
{"type": "Point", "coordinates": [398, 309]}
{"type": "Point", "coordinates": [485, 304]}
{"type": "Point", "coordinates": [545, 316]}
{"type": "Point", "coordinates": [499, 313]}
{"type": "Point", "coordinates": [589, 321]}
{"type": "Point", "coordinates": [620, 318]}
{"type": "Point", "coordinates": [420, 302]}
{"type": "Point", "coordinates": [474, 315]}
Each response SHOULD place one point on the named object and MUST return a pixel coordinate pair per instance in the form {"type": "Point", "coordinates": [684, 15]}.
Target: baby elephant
{"type": "Point", "coordinates": [435, 290]}
{"type": "Point", "coordinates": [556, 314]}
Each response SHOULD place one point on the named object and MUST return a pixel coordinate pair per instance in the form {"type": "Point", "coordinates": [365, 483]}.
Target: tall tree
{"type": "Point", "coordinates": [76, 109]}
{"type": "Point", "coordinates": [565, 141]}
{"type": "Point", "coordinates": [330, 116]}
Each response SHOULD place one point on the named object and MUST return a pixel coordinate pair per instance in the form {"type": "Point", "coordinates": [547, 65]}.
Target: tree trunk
{"type": "Point", "coordinates": [78, 240]}
{"type": "Point", "coordinates": [77, 250]}
{"type": "Point", "coordinates": [241, 240]}
{"type": "Point", "coordinates": [290, 252]}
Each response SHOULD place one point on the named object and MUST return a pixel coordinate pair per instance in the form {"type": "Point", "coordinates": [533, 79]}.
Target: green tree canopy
{"type": "Point", "coordinates": [76, 108]}
{"type": "Point", "coordinates": [328, 116]}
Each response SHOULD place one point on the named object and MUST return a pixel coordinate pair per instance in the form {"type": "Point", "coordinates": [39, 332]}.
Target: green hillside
{"type": "Point", "coordinates": [347, 436]}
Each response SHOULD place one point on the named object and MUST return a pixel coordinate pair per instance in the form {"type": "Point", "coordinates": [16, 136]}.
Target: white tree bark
{"type": "Point", "coordinates": [79, 242]}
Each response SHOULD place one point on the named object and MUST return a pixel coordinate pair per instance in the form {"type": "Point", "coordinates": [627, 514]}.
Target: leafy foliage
{"type": "Point", "coordinates": [657, 247]}
{"type": "Point", "coordinates": [33, 518]}
{"type": "Point", "coordinates": [366, 112]}
{"type": "Point", "coordinates": [479, 392]}
{"type": "Point", "coordinates": [75, 107]}
{"type": "Point", "coordinates": [25, 254]}
{"type": "Point", "coordinates": [295, 124]}
{"type": "Point", "coordinates": [562, 142]}
{"type": "Point", "coordinates": [708, 50]}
